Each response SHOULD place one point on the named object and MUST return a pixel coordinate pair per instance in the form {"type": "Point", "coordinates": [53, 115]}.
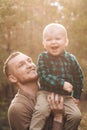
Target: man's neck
{"type": "Point", "coordinates": [30, 88]}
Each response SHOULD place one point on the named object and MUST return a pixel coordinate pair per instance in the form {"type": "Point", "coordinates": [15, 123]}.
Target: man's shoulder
{"type": "Point", "coordinates": [17, 104]}
{"type": "Point", "coordinates": [18, 112]}
{"type": "Point", "coordinates": [21, 101]}
{"type": "Point", "coordinates": [15, 107]}
{"type": "Point", "coordinates": [20, 105]}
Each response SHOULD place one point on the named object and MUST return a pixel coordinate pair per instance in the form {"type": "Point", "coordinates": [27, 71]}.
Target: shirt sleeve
{"type": "Point", "coordinates": [49, 80]}
{"type": "Point", "coordinates": [57, 125]}
{"type": "Point", "coordinates": [78, 79]}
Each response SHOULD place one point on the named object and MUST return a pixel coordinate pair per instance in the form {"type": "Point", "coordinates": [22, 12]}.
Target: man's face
{"type": "Point", "coordinates": [55, 41]}
{"type": "Point", "coordinates": [23, 69]}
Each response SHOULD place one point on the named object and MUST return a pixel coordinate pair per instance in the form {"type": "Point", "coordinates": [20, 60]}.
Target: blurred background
{"type": "Point", "coordinates": [21, 26]}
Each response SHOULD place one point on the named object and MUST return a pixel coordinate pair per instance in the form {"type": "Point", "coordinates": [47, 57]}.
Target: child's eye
{"type": "Point", "coordinates": [57, 38]}
{"type": "Point", "coordinates": [48, 39]}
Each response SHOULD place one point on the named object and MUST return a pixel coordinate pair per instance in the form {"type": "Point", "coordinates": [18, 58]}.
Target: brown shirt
{"type": "Point", "coordinates": [20, 112]}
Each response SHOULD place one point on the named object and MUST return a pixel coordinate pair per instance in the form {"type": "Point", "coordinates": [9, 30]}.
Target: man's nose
{"type": "Point", "coordinates": [30, 64]}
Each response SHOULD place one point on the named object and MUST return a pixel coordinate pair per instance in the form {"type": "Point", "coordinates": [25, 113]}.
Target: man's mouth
{"type": "Point", "coordinates": [32, 70]}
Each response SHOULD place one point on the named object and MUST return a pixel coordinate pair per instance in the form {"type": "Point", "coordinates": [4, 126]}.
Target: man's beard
{"type": "Point", "coordinates": [31, 80]}
{"type": "Point", "coordinates": [35, 79]}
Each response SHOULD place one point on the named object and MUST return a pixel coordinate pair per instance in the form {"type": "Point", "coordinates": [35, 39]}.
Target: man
{"type": "Point", "coordinates": [21, 71]}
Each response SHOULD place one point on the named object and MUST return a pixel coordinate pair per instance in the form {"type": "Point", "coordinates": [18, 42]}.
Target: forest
{"type": "Point", "coordinates": [21, 26]}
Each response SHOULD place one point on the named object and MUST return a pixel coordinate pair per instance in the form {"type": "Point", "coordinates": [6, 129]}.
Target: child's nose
{"type": "Point", "coordinates": [53, 41]}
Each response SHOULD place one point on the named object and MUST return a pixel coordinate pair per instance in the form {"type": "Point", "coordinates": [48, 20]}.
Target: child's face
{"type": "Point", "coordinates": [55, 40]}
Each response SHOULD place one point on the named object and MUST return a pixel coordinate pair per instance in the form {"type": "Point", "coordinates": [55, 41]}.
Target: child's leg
{"type": "Point", "coordinates": [72, 114]}
{"type": "Point", "coordinates": [41, 112]}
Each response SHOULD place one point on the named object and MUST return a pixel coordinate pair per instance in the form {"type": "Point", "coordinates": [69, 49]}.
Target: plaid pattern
{"type": "Point", "coordinates": [54, 71]}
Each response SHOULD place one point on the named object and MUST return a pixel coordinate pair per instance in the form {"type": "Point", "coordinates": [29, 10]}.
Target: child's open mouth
{"type": "Point", "coordinates": [54, 48]}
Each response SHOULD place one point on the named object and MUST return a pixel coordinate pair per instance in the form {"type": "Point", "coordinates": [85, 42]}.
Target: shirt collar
{"type": "Point", "coordinates": [62, 55]}
{"type": "Point", "coordinates": [22, 92]}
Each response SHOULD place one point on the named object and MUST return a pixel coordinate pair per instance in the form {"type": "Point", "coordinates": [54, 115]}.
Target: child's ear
{"type": "Point", "coordinates": [12, 79]}
{"type": "Point", "coordinates": [67, 42]}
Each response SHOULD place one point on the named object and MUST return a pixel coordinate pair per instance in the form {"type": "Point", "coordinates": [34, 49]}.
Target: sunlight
{"type": "Point", "coordinates": [57, 4]}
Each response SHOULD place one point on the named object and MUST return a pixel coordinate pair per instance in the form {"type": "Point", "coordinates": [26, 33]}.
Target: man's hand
{"type": "Point", "coordinates": [76, 101]}
{"type": "Point", "coordinates": [68, 87]}
{"type": "Point", "coordinates": [56, 104]}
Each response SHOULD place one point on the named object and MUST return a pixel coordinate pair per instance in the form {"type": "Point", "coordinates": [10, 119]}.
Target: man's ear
{"type": "Point", "coordinates": [67, 42]}
{"type": "Point", "coordinates": [12, 79]}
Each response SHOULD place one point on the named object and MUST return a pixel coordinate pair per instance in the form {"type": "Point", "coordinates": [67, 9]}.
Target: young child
{"type": "Point", "coordinates": [59, 72]}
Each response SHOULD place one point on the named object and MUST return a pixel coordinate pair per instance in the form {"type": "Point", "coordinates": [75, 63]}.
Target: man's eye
{"type": "Point", "coordinates": [20, 64]}
{"type": "Point", "coordinates": [29, 60]}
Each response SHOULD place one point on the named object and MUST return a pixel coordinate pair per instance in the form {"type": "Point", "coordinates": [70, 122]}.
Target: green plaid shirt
{"type": "Point", "coordinates": [53, 71]}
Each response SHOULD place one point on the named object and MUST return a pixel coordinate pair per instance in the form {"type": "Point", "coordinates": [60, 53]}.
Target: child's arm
{"type": "Point", "coordinates": [78, 79]}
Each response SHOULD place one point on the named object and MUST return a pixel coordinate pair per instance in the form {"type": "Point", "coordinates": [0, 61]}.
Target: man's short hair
{"type": "Point", "coordinates": [6, 66]}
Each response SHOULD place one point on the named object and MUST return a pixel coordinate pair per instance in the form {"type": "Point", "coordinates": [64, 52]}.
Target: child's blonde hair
{"type": "Point", "coordinates": [54, 25]}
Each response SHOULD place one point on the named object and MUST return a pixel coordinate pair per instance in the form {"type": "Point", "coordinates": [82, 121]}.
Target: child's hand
{"type": "Point", "coordinates": [68, 87]}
